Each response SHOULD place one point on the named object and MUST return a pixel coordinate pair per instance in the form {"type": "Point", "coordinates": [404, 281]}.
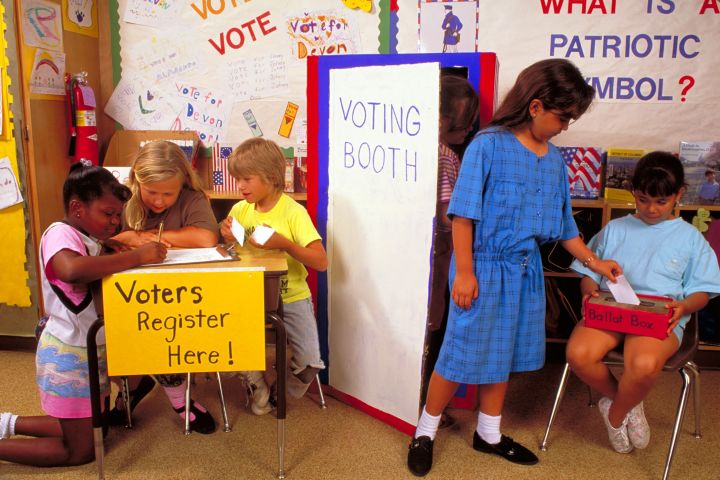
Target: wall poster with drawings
{"type": "Point", "coordinates": [231, 70]}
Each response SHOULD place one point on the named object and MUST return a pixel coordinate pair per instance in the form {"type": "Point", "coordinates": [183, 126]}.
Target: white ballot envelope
{"type": "Point", "coordinates": [262, 234]}
{"type": "Point", "coordinates": [238, 231]}
{"type": "Point", "coordinates": [622, 291]}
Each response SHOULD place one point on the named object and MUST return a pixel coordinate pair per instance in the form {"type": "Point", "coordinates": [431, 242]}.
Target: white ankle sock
{"type": "Point", "coordinates": [488, 427]}
{"type": "Point", "coordinates": [7, 425]}
{"type": "Point", "coordinates": [427, 425]}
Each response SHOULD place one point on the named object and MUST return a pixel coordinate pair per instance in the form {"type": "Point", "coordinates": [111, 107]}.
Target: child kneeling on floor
{"type": "Point", "coordinates": [661, 255]}
{"type": "Point", "coordinates": [70, 266]}
{"type": "Point", "coordinates": [258, 165]}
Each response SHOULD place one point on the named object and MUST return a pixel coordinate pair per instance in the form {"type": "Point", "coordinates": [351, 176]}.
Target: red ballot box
{"type": "Point", "coordinates": [650, 318]}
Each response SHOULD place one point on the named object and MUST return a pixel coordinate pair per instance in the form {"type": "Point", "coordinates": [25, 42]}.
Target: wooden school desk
{"type": "Point", "coordinates": [275, 265]}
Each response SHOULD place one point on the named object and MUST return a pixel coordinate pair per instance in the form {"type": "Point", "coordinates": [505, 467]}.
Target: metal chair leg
{"type": "Point", "coordinates": [682, 403]}
{"type": "Point", "coordinates": [323, 405]}
{"type": "Point", "coordinates": [187, 405]}
{"type": "Point", "coordinates": [125, 392]}
{"type": "Point", "coordinates": [556, 405]}
{"type": "Point", "coordinates": [226, 427]}
{"type": "Point", "coordinates": [696, 396]}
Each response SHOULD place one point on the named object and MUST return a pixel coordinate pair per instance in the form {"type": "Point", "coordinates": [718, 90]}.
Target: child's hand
{"type": "Point", "coordinates": [275, 242]}
{"type": "Point", "coordinates": [679, 309]}
{"type": "Point", "coordinates": [464, 290]}
{"type": "Point", "coordinates": [589, 293]}
{"type": "Point", "coordinates": [153, 252]}
{"type": "Point", "coordinates": [226, 232]}
{"type": "Point", "coordinates": [606, 268]}
{"type": "Point", "coordinates": [112, 245]}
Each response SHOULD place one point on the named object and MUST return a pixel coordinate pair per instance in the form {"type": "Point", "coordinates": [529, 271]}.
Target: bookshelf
{"type": "Point", "coordinates": [562, 284]}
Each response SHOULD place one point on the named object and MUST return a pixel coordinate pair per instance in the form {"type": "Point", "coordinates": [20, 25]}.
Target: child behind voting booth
{"type": "Point", "coordinates": [258, 165]}
{"type": "Point", "coordinates": [661, 255]}
{"type": "Point", "coordinates": [169, 204]}
{"type": "Point", "coordinates": [499, 219]}
{"type": "Point", "coordinates": [71, 261]}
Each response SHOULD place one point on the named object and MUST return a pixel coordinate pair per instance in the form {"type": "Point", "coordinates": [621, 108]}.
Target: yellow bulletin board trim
{"type": "Point", "coordinates": [13, 276]}
{"type": "Point", "coordinates": [184, 320]}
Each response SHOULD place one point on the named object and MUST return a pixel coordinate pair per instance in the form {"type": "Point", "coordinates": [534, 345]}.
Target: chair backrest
{"type": "Point", "coordinates": [684, 354]}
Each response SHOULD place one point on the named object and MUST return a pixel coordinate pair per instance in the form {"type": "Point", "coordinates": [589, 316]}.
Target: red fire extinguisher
{"type": "Point", "coordinates": [81, 119]}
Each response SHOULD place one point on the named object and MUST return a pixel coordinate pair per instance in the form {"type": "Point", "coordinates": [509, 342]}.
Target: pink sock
{"type": "Point", "coordinates": [176, 395]}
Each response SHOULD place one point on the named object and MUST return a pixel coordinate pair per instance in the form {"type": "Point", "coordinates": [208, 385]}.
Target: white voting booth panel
{"type": "Point", "coordinates": [382, 181]}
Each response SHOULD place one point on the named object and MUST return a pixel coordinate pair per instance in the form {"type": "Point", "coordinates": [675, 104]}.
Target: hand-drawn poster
{"type": "Point", "coordinates": [448, 27]}
{"type": "Point", "coordinates": [254, 51]}
{"type": "Point", "coordinates": [204, 110]}
{"type": "Point", "coordinates": [322, 33]}
{"type": "Point", "coordinates": [42, 24]}
{"type": "Point", "coordinates": [9, 190]}
{"type": "Point", "coordinates": [138, 105]}
{"type": "Point", "coordinates": [153, 13]}
{"type": "Point", "coordinates": [48, 73]}
{"type": "Point", "coordinates": [80, 16]}
{"type": "Point", "coordinates": [258, 77]}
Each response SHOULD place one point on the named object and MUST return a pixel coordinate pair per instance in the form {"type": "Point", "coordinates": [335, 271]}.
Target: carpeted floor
{"type": "Point", "coordinates": [341, 442]}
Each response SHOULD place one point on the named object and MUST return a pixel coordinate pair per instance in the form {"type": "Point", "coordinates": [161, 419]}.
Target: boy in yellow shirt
{"type": "Point", "coordinates": [258, 165]}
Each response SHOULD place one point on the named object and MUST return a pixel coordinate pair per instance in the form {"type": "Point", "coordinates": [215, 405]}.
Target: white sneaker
{"type": "Point", "coordinates": [259, 392]}
{"type": "Point", "coordinates": [638, 428]}
{"type": "Point", "coordinates": [618, 436]}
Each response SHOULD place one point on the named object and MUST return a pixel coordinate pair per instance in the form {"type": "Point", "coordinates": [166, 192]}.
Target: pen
{"type": "Point", "coordinates": [162, 224]}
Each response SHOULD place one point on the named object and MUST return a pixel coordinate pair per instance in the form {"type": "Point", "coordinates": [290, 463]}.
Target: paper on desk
{"type": "Point", "coordinates": [622, 291]}
{"type": "Point", "coordinates": [262, 234]}
{"type": "Point", "coordinates": [238, 231]}
{"type": "Point", "coordinates": [192, 255]}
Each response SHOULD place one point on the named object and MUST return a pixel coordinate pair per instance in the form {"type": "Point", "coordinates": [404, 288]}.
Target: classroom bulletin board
{"type": "Point", "coordinates": [13, 275]}
{"type": "Point", "coordinates": [230, 70]}
{"type": "Point", "coordinates": [654, 63]}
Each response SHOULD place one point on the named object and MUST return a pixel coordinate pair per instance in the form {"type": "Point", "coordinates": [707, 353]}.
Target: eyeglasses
{"type": "Point", "coordinates": [565, 117]}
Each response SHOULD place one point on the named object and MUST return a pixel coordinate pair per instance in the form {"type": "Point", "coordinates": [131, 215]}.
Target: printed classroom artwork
{"type": "Point", "coordinates": [701, 161]}
{"type": "Point", "coordinates": [80, 16]}
{"type": "Point", "coordinates": [448, 27]}
{"type": "Point", "coordinates": [204, 111]}
{"type": "Point", "coordinates": [138, 106]}
{"type": "Point", "coordinates": [324, 33]}
{"type": "Point", "coordinates": [584, 166]}
{"type": "Point", "coordinates": [42, 24]}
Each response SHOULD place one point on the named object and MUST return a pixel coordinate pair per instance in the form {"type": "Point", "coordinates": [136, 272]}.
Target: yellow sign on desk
{"type": "Point", "coordinates": [184, 320]}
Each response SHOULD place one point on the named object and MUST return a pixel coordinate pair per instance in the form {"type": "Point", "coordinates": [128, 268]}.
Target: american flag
{"type": "Point", "coordinates": [222, 181]}
{"type": "Point", "coordinates": [583, 168]}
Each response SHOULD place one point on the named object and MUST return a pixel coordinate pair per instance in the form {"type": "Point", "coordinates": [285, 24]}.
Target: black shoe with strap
{"type": "Point", "coordinates": [204, 422]}
{"type": "Point", "coordinates": [420, 456]}
{"type": "Point", "coordinates": [117, 416]}
{"type": "Point", "coordinates": [507, 448]}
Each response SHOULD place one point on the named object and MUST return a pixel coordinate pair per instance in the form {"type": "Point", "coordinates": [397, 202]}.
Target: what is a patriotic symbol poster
{"type": "Point", "coordinates": [222, 181]}
{"type": "Point", "coordinates": [584, 165]}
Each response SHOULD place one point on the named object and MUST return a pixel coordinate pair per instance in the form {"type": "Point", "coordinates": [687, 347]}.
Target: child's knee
{"type": "Point", "coordinates": [579, 355]}
{"type": "Point", "coordinates": [644, 367]}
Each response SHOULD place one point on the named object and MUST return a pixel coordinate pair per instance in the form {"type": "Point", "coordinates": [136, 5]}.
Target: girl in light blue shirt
{"type": "Point", "coordinates": [661, 255]}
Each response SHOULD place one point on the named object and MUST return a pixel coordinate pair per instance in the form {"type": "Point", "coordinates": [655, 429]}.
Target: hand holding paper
{"type": "Point", "coordinates": [622, 291]}
{"type": "Point", "coordinates": [262, 234]}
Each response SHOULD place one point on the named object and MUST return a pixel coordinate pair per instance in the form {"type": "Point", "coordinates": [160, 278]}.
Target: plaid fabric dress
{"type": "Point", "coordinates": [517, 201]}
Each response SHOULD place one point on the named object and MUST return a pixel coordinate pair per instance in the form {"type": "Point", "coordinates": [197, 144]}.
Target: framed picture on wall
{"type": "Point", "coordinates": [448, 26]}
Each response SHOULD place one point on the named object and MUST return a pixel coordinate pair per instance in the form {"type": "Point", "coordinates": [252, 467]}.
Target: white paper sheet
{"type": "Point", "coordinates": [192, 255]}
{"type": "Point", "coordinates": [238, 231]}
{"type": "Point", "coordinates": [262, 234]}
{"type": "Point", "coordinates": [622, 291]}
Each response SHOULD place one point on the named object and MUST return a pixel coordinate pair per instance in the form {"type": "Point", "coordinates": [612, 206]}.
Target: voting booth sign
{"type": "Point", "coordinates": [184, 320]}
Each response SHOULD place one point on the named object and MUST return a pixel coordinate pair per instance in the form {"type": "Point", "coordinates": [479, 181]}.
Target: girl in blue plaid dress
{"type": "Point", "coordinates": [512, 195]}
